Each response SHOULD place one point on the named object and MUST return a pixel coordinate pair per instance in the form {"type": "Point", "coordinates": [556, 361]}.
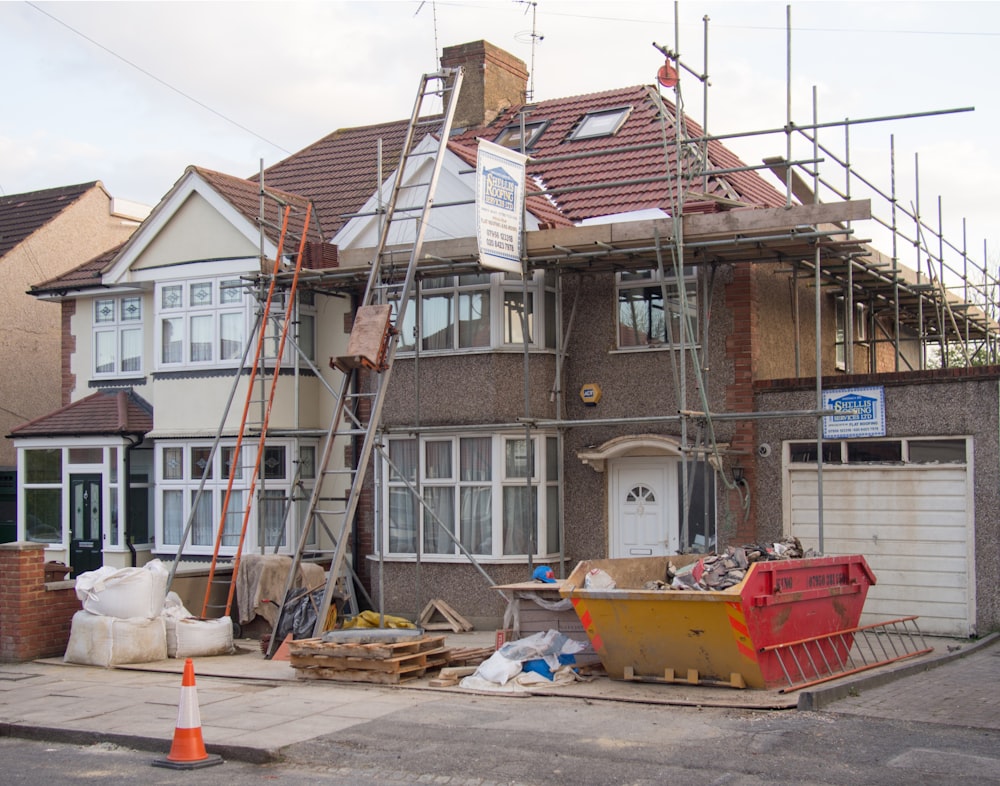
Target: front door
{"type": "Point", "coordinates": [643, 507]}
{"type": "Point", "coordinates": [85, 546]}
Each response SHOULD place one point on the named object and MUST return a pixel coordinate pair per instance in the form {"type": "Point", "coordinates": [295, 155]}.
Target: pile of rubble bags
{"type": "Point", "coordinates": [543, 659]}
{"type": "Point", "coordinates": [128, 617]}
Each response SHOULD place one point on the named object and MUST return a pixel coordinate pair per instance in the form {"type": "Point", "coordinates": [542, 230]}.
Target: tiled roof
{"type": "Point", "coordinates": [106, 412]}
{"type": "Point", "coordinates": [244, 195]}
{"type": "Point", "coordinates": [643, 148]}
{"type": "Point", "coordinates": [339, 172]}
{"type": "Point", "coordinates": [85, 276]}
{"type": "Point", "coordinates": [23, 214]}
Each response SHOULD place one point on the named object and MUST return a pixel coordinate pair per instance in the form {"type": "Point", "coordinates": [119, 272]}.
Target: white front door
{"type": "Point", "coordinates": [643, 507]}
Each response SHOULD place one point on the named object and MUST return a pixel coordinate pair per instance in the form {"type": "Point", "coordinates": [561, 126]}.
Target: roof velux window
{"type": "Point", "coordinates": [511, 135]}
{"type": "Point", "coordinates": [603, 123]}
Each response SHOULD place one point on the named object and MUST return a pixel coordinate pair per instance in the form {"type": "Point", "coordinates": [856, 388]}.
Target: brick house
{"type": "Point", "coordinates": [43, 234]}
{"type": "Point", "coordinates": [652, 384]}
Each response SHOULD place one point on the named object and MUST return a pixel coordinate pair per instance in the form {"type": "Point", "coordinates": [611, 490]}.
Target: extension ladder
{"type": "Point", "coordinates": [373, 340]}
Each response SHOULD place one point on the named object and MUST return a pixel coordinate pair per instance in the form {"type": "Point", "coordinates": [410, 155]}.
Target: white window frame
{"type": "Point", "coordinates": [544, 485]}
{"type": "Point", "coordinates": [183, 490]}
{"type": "Point", "coordinates": [650, 279]}
{"type": "Point", "coordinates": [501, 288]}
{"type": "Point", "coordinates": [212, 312]}
{"type": "Point", "coordinates": [606, 122]}
{"type": "Point", "coordinates": [115, 329]}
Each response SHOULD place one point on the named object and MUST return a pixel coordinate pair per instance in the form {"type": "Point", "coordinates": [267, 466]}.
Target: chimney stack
{"type": "Point", "coordinates": [494, 80]}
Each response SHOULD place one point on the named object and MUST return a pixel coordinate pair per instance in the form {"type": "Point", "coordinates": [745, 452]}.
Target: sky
{"type": "Point", "coordinates": [130, 93]}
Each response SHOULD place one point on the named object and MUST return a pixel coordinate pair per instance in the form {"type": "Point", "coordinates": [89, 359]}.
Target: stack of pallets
{"type": "Point", "coordinates": [388, 663]}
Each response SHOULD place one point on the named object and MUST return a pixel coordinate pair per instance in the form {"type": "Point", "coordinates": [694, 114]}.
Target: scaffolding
{"type": "Point", "coordinates": [941, 310]}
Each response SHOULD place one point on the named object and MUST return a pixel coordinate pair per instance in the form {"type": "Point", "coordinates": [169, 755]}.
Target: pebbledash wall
{"type": "Point", "coordinates": [35, 615]}
{"type": "Point", "coordinates": [934, 403]}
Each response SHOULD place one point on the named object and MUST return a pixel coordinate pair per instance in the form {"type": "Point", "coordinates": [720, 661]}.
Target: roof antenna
{"type": "Point", "coordinates": [534, 37]}
{"type": "Point", "coordinates": [434, 13]}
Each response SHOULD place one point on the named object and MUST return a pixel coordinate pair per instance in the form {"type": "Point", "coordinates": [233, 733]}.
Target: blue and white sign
{"type": "Point", "coordinates": [500, 175]}
{"type": "Point", "coordinates": [862, 413]}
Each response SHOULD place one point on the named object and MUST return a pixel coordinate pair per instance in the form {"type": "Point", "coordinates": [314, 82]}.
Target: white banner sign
{"type": "Point", "coordinates": [499, 206]}
{"type": "Point", "coordinates": [863, 413]}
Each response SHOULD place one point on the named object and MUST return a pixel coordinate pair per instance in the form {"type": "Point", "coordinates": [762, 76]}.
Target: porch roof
{"type": "Point", "coordinates": [104, 413]}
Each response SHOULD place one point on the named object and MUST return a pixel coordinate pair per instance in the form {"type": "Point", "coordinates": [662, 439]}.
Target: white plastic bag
{"type": "Point", "coordinates": [195, 638]}
{"type": "Point", "coordinates": [125, 593]}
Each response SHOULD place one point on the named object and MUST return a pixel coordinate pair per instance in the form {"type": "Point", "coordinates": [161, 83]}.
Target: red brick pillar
{"type": "Point", "coordinates": [741, 349]}
{"type": "Point", "coordinates": [35, 618]}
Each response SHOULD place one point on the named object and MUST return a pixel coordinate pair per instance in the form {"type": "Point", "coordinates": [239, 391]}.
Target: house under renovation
{"type": "Point", "coordinates": [676, 352]}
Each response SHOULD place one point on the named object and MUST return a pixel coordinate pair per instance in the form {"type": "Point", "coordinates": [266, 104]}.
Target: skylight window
{"type": "Point", "coordinates": [603, 123]}
{"type": "Point", "coordinates": [511, 135]}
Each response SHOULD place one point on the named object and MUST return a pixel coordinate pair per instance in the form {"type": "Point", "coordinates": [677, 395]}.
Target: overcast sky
{"type": "Point", "coordinates": [130, 93]}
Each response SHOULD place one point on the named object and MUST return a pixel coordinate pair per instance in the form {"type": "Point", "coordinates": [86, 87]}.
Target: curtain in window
{"type": "Point", "coordinates": [173, 517]}
{"type": "Point", "coordinates": [476, 519]}
{"type": "Point", "coordinates": [402, 521]}
{"type": "Point", "coordinates": [272, 518]}
{"type": "Point", "coordinates": [131, 350]}
{"type": "Point", "coordinates": [518, 509]}
{"type": "Point", "coordinates": [230, 336]}
{"type": "Point", "coordinates": [202, 525]}
{"type": "Point", "coordinates": [104, 352]}
{"type": "Point", "coordinates": [201, 338]}
{"type": "Point", "coordinates": [440, 500]}
{"type": "Point", "coordinates": [234, 519]}
{"type": "Point", "coordinates": [171, 348]}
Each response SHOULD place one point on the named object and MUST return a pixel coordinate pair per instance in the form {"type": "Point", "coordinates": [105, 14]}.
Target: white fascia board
{"type": "Point", "coordinates": [192, 182]}
{"type": "Point", "coordinates": [647, 214]}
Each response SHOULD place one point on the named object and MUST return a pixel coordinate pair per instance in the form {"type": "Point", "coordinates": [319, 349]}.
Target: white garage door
{"type": "Point", "coordinates": [913, 524]}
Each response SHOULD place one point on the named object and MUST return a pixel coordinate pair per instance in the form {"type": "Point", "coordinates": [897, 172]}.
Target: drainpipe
{"type": "Point", "coordinates": [127, 480]}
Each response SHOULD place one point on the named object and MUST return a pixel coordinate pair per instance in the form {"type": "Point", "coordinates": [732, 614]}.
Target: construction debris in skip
{"type": "Point", "coordinates": [722, 571]}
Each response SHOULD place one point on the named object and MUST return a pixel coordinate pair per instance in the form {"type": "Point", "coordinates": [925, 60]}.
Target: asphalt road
{"type": "Point", "coordinates": [479, 741]}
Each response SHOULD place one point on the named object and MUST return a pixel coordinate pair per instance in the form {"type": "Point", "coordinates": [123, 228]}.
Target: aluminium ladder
{"type": "Point", "coordinates": [372, 343]}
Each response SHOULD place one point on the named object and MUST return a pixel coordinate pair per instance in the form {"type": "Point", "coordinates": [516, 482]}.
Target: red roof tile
{"type": "Point", "coordinates": [641, 150]}
{"type": "Point", "coordinates": [23, 214]}
{"type": "Point", "coordinates": [106, 412]}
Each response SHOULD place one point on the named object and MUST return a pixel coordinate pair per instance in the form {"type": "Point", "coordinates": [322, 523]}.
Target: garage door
{"type": "Point", "coordinates": [913, 525]}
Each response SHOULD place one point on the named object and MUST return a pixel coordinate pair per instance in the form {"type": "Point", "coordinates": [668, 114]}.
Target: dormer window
{"type": "Point", "coordinates": [511, 136]}
{"type": "Point", "coordinates": [603, 123]}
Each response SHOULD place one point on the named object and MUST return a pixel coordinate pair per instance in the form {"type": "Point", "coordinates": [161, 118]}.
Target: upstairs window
{"type": "Point", "coordinates": [118, 336]}
{"type": "Point", "coordinates": [604, 123]}
{"type": "Point", "coordinates": [201, 322]}
{"type": "Point", "coordinates": [645, 319]}
{"type": "Point", "coordinates": [481, 311]}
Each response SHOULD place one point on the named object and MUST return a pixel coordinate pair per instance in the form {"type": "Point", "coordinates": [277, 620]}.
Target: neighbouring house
{"type": "Point", "coordinates": [655, 382]}
{"type": "Point", "coordinates": [43, 234]}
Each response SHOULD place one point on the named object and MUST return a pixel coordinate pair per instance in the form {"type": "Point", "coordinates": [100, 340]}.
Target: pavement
{"type": "Point", "coordinates": [251, 708]}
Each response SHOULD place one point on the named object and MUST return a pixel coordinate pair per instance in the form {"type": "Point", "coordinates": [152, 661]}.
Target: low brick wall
{"type": "Point", "coordinates": [35, 616]}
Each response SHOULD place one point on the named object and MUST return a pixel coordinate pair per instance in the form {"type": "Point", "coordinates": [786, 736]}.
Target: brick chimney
{"type": "Point", "coordinates": [494, 80]}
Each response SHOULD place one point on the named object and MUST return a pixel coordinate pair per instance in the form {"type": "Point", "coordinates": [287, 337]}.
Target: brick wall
{"type": "Point", "coordinates": [741, 347]}
{"type": "Point", "coordinates": [35, 617]}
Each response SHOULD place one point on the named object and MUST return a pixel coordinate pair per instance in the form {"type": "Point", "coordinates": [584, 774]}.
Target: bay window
{"type": "Point", "coordinates": [488, 492]}
{"type": "Point", "coordinates": [481, 311]}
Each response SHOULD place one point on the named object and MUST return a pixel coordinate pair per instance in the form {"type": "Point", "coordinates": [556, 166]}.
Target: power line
{"type": "Point", "coordinates": [163, 82]}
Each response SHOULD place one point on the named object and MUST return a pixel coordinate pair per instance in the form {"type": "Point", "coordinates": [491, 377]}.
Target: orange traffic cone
{"type": "Point", "coordinates": [188, 749]}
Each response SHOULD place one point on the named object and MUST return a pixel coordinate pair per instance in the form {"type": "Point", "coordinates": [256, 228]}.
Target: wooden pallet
{"type": "Point", "coordinates": [386, 663]}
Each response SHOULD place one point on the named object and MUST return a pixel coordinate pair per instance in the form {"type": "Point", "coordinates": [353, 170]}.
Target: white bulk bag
{"type": "Point", "coordinates": [125, 593]}
{"type": "Point", "coordinates": [97, 640]}
{"type": "Point", "coordinates": [195, 638]}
